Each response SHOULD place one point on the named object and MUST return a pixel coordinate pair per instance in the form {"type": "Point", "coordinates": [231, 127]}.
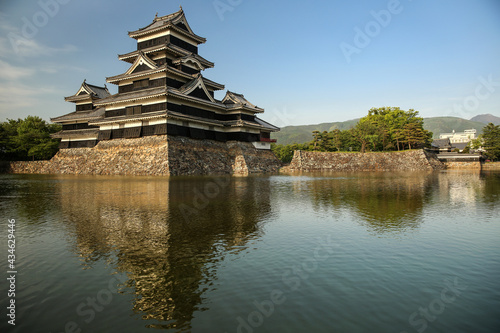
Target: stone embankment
{"type": "Point", "coordinates": [412, 160]}
{"type": "Point", "coordinates": [156, 155]}
{"type": "Point", "coordinates": [491, 166]}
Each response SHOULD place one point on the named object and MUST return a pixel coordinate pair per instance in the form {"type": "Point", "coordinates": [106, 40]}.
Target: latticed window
{"type": "Point", "coordinates": [141, 84]}
{"type": "Point", "coordinates": [131, 110]}
{"type": "Point", "coordinates": [132, 132]}
{"type": "Point", "coordinates": [104, 135]}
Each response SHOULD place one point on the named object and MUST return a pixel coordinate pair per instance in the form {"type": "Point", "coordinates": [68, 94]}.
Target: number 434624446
{"type": "Point", "coordinates": [11, 258]}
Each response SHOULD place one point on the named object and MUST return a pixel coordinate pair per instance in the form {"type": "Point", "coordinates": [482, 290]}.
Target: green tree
{"type": "Point", "coordinates": [8, 131]}
{"type": "Point", "coordinates": [365, 132]}
{"type": "Point", "coordinates": [325, 143]}
{"type": "Point", "coordinates": [476, 143]}
{"type": "Point", "coordinates": [349, 140]}
{"type": "Point", "coordinates": [28, 138]}
{"type": "Point", "coordinates": [336, 136]}
{"type": "Point", "coordinates": [284, 153]}
{"type": "Point", "coordinates": [491, 139]}
{"type": "Point", "coordinates": [414, 135]}
{"type": "Point", "coordinates": [396, 128]}
{"type": "Point", "coordinates": [316, 138]}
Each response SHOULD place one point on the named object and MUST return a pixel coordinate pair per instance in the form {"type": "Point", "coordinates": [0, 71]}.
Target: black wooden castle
{"type": "Point", "coordinates": [162, 93]}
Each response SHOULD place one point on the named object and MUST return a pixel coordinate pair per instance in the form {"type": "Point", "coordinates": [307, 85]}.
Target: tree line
{"type": "Point", "coordinates": [383, 129]}
{"type": "Point", "coordinates": [489, 141]}
{"type": "Point", "coordinates": [27, 139]}
{"type": "Point", "coordinates": [386, 129]}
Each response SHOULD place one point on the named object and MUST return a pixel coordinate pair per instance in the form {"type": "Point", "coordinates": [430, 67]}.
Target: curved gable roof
{"type": "Point", "coordinates": [194, 84]}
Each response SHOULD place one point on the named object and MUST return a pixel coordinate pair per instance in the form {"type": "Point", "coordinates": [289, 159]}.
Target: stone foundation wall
{"type": "Point", "coordinates": [462, 165]}
{"type": "Point", "coordinates": [491, 166]}
{"type": "Point", "coordinates": [156, 155]}
{"type": "Point", "coordinates": [413, 160]}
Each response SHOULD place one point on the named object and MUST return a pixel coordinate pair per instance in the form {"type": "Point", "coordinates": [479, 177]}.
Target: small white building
{"type": "Point", "coordinates": [458, 137]}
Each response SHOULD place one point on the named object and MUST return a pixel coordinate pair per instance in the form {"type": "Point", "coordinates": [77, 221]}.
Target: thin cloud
{"type": "Point", "coordinates": [13, 43]}
{"type": "Point", "coordinates": [10, 72]}
{"type": "Point", "coordinates": [52, 68]}
{"type": "Point", "coordinates": [21, 96]}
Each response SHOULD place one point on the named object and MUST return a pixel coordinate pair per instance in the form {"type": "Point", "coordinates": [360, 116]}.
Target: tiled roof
{"type": "Point", "coordinates": [212, 84]}
{"type": "Point", "coordinates": [459, 145]}
{"type": "Point", "coordinates": [92, 91]}
{"type": "Point", "coordinates": [238, 100]}
{"type": "Point", "coordinates": [134, 95]}
{"type": "Point", "coordinates": [136, 117]}
{"type": "Point", "coordinates": [166, 47]}
{"type": "Point", "coordinates": [80, 115]}
{"type": "Point", "coordinates": [168, 22]}
{"type": "Point", "coordinates": [197, 82]}
{"type": "Point", "coordinates": [120, 77]}
{"type": "Point", "coordinates": [100, 92]}
{"type": "Point", "coordinates": [70, 133]}
{"type": "Point", "coordinates": [441, 143]}
{"type": "Point", "coordinates": [266, 125]}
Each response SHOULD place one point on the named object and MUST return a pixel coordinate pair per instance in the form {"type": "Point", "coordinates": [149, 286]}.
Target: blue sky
{"type": "Point", "coordinates": [305, 62]}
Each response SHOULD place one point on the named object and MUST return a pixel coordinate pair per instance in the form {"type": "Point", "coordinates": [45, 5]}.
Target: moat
{"type": "Point", "coordinates": [340, 252]}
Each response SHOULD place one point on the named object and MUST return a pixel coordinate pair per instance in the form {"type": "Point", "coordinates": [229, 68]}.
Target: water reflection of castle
{"type": "Point", "coordinates": [167, 235]}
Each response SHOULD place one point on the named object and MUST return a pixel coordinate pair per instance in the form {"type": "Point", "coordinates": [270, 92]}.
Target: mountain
{"type": "Point", "coordinates": [437, 125]}
{"type": "Point", "coordinates": [486, 119]}
{"type": "Point", "coordinates": [303, 133]}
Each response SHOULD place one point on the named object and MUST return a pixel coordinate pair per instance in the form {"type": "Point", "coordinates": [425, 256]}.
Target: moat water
{"type": "Point", "coordinates": [372, 252]}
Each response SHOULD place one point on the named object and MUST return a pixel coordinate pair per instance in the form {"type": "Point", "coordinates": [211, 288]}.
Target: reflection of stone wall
{"type": "Point", "coordinates": [384, 202]}
{"type": "Point", "coordinates": [466, 165]}
{"type": "Point", "coordinates": [156, 155]}
{"type": "Point", "coordinates": [412, 160]}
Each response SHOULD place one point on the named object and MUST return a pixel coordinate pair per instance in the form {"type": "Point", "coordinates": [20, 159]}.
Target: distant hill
{"type": "Point", "coordinates": [303, 133]}
{"type": "Point", "coordinates": [486, 119]}
{"type": "Point", "coordinates": [437, 125]}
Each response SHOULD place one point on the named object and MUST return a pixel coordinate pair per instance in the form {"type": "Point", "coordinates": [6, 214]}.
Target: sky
{"type": "Point", "coordinates": [304, 62]}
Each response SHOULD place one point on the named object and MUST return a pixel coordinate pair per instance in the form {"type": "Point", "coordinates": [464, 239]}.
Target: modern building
{"type": "Point", "coordinates": [459, 137]}
{"type": "Point", "coordinates": [162, 93]}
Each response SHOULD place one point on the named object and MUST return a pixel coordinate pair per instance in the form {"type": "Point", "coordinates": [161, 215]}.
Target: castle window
{"type": "Point", "coordinates": [141, 84]}
{"type": "Point", "coordinates": [131, 110]}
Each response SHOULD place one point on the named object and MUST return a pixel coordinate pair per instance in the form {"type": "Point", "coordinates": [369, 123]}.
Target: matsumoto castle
{"type": "Point", "coordinates": [162, 93]}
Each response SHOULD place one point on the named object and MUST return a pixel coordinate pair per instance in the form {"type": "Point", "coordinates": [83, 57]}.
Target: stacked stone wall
{"type": "Point", "coordinates": [156, 155]}
{"type": "Point", "coordinates": [462, 165]}
{"type": "Point", "coordinates": [413, 160]}
{"type": "Point", "coordinates": [491, 166]}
